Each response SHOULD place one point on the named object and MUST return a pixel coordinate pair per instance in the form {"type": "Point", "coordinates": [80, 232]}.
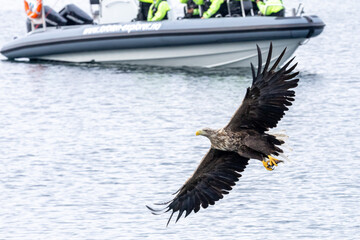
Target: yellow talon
{"type": "Point", "coordinates": [267, 165]}
{"type": "Point", "coordinates": [273, 161]}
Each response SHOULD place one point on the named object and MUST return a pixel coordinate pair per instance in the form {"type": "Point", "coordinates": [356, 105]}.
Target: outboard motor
{"type": "Point", "coordinates": [75, 16]}
{"type": "Point", "coordinates": [52, 19]}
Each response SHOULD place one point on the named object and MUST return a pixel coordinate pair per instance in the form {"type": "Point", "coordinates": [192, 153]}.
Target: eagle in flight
{"type": "Point", "coordinates": [246, 136]}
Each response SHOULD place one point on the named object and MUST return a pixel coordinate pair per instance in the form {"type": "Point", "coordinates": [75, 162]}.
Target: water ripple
{"type": "Point", "coordinates": [85, 146]}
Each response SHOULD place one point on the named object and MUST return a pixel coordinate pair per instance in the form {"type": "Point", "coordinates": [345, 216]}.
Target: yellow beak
{"type": "Point", "coordinates": [198, 133]}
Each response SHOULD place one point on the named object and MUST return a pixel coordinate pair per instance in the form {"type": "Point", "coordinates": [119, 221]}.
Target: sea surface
{"type": "Point", "coordinates": [84, 147]}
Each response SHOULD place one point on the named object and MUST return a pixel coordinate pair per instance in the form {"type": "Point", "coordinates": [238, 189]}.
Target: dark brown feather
{"type": "Point", "coordinates": [266, 100]}
{"type": "Point", "coordinates": [217, 172]}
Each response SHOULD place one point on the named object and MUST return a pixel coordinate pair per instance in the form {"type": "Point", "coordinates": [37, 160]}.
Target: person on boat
{"type": "Point", "coordinates": [272, 8]}
{"type": "Point", "coordinates": [144, 6]}
{"type": "Point", "coordinates": [214, 8]}
{"type": "Point", "coordinates": [193, 8]}
{"type": "Point", "coordinates": [158, 11]}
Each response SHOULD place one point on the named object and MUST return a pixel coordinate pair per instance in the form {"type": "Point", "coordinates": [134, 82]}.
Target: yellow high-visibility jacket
{"type": "Point", "coordinates": [214, 7]}
{"type": "Point", "coordinates": [270, 9]}
{"type": "Point", "coordinates": [162, 7]}
{"type": "Point", "coordinates": [146, 1]}
{"type": "Point", "coordinates": [197, 2]}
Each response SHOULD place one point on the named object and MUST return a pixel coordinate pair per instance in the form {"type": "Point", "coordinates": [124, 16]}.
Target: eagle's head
{"type": "Point", "coordinates": [207, 132]}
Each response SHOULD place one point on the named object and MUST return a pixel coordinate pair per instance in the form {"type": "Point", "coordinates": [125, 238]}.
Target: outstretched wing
{"type": "Point", "coordinates": [214, 177]}
{"type": "Point", "coordinates": [268, 98]}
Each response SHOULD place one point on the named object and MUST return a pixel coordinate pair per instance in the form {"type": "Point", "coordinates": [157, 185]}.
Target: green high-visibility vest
{"type": "Point", "coordinates": [214, 7]}
{"type": "Point", "coordinates": [147, 1]}
{"type": "Point", "coordinates": [268, 8]}
{"type": "Point", "coordinates": [197, 2]}
{"type": "Point", "coordinates": [162, 7]}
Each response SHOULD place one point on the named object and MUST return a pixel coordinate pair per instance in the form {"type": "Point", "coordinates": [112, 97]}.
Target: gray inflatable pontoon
{"type": "Point", "coordinates": [216, 42]}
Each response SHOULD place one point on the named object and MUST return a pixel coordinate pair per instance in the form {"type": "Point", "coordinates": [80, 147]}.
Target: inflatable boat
{"type": "Point", "coordinates": [214, 42]}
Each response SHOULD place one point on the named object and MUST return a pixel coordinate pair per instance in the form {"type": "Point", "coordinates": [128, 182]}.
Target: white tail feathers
{"type": "Point", "coordinates": [281, 135]}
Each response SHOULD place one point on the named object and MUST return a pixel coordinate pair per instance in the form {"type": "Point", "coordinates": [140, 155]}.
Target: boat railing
{"type": "Point", "coordinates": [295, 12]}
{"type": "Point", "coordinates": [95, 11]}
{"type": "Point", "coordinates": [250, 9]}
{"type": "Point", "coordinates": [36, 22]}
{"type": "Point", "coordinates": [243, 8]}
{"type": "Point", "coordinates": [96, 6]}
{"type": "Point", "coordinates": [300, 10]}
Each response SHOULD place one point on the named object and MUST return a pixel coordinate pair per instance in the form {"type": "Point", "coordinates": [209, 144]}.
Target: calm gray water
{"type": "Point", "coordinates": [85, 147]}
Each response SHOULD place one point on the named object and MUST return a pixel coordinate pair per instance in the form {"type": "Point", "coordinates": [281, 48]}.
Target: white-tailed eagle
{"type": "Point", "coordinates": [246, 136]}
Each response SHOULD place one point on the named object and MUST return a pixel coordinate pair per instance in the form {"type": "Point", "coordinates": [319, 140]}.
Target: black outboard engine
{"type": "Point", "coordinates": [75, 16]}
{"type": "Point", "coordinates": [52, 19]}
